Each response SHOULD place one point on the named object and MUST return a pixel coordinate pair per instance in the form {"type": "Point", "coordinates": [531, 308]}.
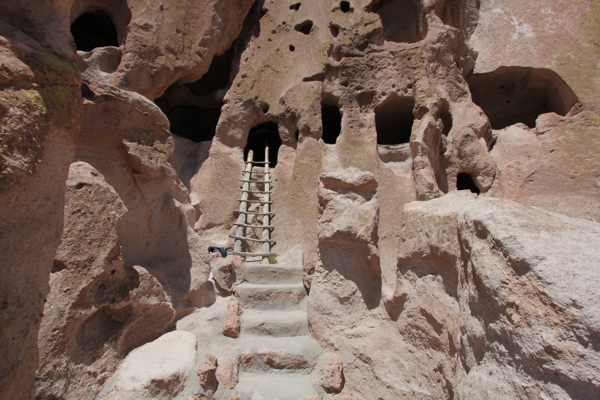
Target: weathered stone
{"type": "Point", "coordinates": [206, 372]}
{"type": "Point", "coordinates": [225, 271]}
{"type": "Point", "coordinates": [157, 369]}
{"type": "Point", "coordinates": [231, 327]}
{"type": "Point", "coordinates": [330, 373]}
{"type": "Point", "coordinates": [227, 373]}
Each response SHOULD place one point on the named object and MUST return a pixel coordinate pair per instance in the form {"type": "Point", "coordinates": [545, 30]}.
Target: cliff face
{"type": "Point", "coordinates": [435, 175]}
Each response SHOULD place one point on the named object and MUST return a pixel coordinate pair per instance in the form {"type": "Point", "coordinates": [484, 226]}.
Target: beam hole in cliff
{"type": "Point", "coordinates": [446, 117]}
{"type": "Point", "coordinates": [465, 182]}
{"type": "Point", "coordinates": [345, 6]}
{"type": "Point", "coordinates": [304, 27]}
{"type": "Point", "coordinates": [394, 120]}
{"type": "Point", "coordinates": [295, 6]}
{"type": "Point", "coordinates": [400, 20]}
{"type": "Point", "coordinates": [510, 95]}
{"type": "Point", "coordinates": [94, 29]}
{"type": "Point", "coordinates": [292, 48]}
{"type": "Point", "coordinates": [335, 30]}
{"type": "Point", "coordinates": [266, 132]}
{"type": "Point", "coordinates": [332, 121]}
{"type": "Point", "coordinates": [193, 122]}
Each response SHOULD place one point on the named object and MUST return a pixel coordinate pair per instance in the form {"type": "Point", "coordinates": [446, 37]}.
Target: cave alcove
{"type": "Point", "coordinates": [446, 117]}
{"type": "Point", "coordinates": [217, 76]}
{"type": "Point", "coordinates": [94, 29]}
{"type": "Point", "coordinates": [465, 182]}
{"type": "Point", "coordinates": [400, 20]}
{"type": "Point", "coordinates": [195, 123]}
{"type": "Point", "coordinates": [394, 120]}
{"type": "Point", "coordinates": [509, 95]}
{"type": "Point", "coordinates": [331, 118]}
{"type": "Point", "coordinates": [267, 132]}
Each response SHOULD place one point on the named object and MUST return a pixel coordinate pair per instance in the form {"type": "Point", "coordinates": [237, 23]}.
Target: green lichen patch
{"type": "Point", "coordinates": [51, 69]}
{"type": "Point", "coordinates": [60, 100]}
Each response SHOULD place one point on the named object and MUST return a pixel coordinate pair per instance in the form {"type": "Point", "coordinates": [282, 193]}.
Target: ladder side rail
{"type": "Point", "coordinates": [242, 220]}
{"type": "Point", "coordinates": [266, 209]}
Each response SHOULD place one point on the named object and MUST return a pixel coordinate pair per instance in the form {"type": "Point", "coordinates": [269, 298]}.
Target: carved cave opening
{"type": "Point", "coordinates": [394, 120]}
{"type": "Point", "coordinates": [510, 95]}
{"type": "Point", "coordinates": [331, 119]}
{"type": "Point", "coordinates": [400, 19]}
{"type": "Point", "coordinates": [94, 29]}
{"type": "Point", "coordinates": [268, 133]}
{"type": "Point", "coordinates": [465, 182]}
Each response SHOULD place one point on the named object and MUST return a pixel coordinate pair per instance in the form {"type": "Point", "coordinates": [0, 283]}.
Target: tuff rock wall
{"type": "Point", "coordinates": [422, 291]}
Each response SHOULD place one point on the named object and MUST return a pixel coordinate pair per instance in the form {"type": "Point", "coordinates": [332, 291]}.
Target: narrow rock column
{"type": "Point", "coordinates": [241, 229]}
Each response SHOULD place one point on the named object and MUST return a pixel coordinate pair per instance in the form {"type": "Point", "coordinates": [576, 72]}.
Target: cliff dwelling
{"type": "Point", "coordinates": [315, 199]}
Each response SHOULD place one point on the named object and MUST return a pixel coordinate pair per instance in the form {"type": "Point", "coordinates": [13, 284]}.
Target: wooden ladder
{"type": "Point", "coordinates": [249, 177]}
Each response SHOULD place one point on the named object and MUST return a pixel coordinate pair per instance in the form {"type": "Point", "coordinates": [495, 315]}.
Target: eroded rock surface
{"type": "Point", "coordinates": [366, 106]}
{"type": "Point", "coordinates": [492, 282]}
{"type": "Point", "coordinates": [40, 111]}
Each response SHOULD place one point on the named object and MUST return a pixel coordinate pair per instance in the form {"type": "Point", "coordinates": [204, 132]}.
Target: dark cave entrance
{"type": "Point", "coordinates": [94, 29]}
{"type": "Point", "coordinates": [331, 119]}
{"type": "Point", "coordinates": [268, 133]}
{"type": "Point", "coordinates": [510, 95]}
{"type": "Point", "coordinates": [394, 120]}
{"type": "Point", "coordinates": [400, 19]}
{"type": "Point", "coordinates": [195, 123]}
{"type": "Point", "coordinates": [465, 182]}
{"type": "Point", "coordinates": [446, 117]}
{"type": "Point", "coordinates": [217, 76]}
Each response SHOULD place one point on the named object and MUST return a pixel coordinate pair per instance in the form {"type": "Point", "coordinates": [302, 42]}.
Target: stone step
{"type": "Point", "coordinates": [272, 297]}
{"type": "Point", "coordinates": [275, 386]}
{"type": "Point", "coordinates": [263, 353]}
{"type": "Point", "coordinates": [273, 273]}
{"type": "Point", "coordinates": [274, 323]}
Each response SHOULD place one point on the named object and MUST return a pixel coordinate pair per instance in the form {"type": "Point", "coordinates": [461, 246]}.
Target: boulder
{"type": "Point", "coordinates": [515, 296]}
{"type": "Point", "coordinates": [158, 369]}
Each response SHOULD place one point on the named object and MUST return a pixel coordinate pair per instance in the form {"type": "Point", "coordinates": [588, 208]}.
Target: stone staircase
{"type": "Point", "coordinates": [277, 357]}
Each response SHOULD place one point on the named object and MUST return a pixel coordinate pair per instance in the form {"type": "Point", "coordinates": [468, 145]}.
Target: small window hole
{"type": "Point", "coordinates": [465, 182]}
{"type": "Point", "coordinates": [304, 27]}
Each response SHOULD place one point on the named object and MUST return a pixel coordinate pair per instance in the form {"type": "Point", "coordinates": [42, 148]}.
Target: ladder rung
{"type": "Point", "coordinates": [256, 201]}
{"type": "Point", "coordinates": [258, 162]}
{"type": "Point", "coordinates": [255, 213]}
{"type": "Point", "coordinates": [252, 239]}
{"type": "Point", "coordinates": [251, 181]}
{"type": "Point", "coordinates": [256, 226]}
{"type": "Point", "coordinates": [244, 254]}
{"type": "Point", "coordinates": [255, 172]}
{"type": "Point", "coordinates": [254, 191]}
